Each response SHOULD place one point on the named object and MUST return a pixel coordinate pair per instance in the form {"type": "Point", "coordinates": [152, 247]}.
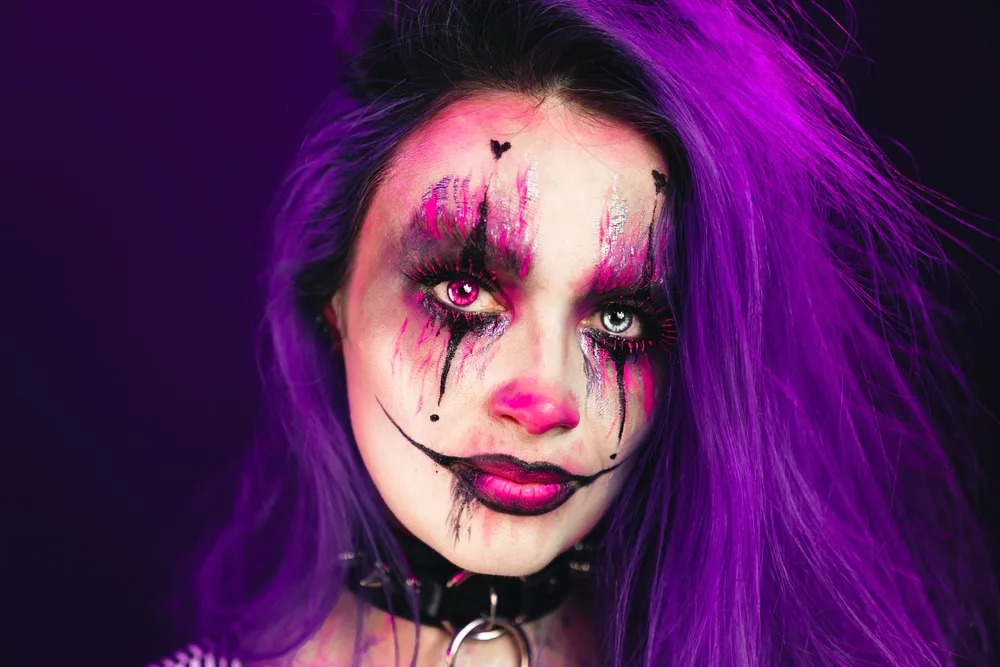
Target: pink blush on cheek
{"type": "Point", "coordinates": [488, 523]}
{"type": "Point", "coordinates": [468, 352]}
{"type": "Point", "coordinates": [479, 350]}
{"type": "Point", "coordinates": [648, 380]}
{"type": "Point", "coordinates": [639, 382]}
{"type": "Point", "coordinates": [397, 352]}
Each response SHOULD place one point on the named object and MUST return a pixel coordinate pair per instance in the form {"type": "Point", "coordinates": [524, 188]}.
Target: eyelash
{"type": "Point", "coordinates": [434, 272]}
{"type": "Point", "coordinates": [654, 319]}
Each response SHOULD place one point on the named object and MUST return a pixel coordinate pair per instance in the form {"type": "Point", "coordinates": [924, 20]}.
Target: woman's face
{"type": "Point", "coordinates": [503, 327]}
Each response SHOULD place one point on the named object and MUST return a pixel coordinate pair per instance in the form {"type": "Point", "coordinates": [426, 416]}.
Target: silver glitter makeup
{"type": "Point", "coordinates": [617, 215]}
{"type": "Point", "coordinates": [595, 379]}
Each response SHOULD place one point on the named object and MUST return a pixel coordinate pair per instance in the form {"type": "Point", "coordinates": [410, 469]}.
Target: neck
{"type": "Point", "coordinates": [566, 637]}
{"type": "Point", "coordinates": [451, 598]}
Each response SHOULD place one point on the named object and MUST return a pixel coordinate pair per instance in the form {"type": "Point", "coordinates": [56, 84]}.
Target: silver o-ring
{"type": "Point", "coordinates": [514, 630]}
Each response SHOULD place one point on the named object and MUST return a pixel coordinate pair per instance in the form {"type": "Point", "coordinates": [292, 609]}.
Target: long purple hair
{"type": "Point", "coordinates": [795, 504]}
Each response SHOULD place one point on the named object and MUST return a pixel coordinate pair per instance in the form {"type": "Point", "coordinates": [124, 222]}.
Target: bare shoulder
{"type": "Point", "coordinates": [566, 638]}
{"type": "Point", "coordinates": [331, 646]}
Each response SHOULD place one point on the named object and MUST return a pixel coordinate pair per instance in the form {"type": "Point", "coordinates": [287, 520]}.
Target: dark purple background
{"type": "Point", "coordinates": [140, 145]}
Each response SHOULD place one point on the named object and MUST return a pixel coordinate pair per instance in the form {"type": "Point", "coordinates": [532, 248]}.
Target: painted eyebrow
{"type": "Point", "coordinates": [478, 245]}
{"type": "Point", "coordinates": [597, 289]}
{"type": "Point", "coordinates": [474, 248]}
{"type": "Point", "coordinates": [635, 278]}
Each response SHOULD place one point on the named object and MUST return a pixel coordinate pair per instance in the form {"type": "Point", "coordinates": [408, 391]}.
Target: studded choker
{"type": "Point", "coordinates": [468, 605]}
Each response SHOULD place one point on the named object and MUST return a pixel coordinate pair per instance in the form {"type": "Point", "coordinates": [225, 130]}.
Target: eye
{"type": "Point", "coordinates": [466, 294]}
{"type": "Point", "coordinates": [617, 320]}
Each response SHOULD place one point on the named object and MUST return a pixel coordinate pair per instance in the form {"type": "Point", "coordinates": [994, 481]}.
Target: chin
{"type": "Point", "coordinates": [491, 542]}
{"type": "Point", "coordinates": [515, 561]}
{"type": "Point", "coordinates": [508, 546]}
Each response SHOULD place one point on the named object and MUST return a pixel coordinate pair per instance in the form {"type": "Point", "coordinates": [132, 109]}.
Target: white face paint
{"type": "Point", "coordinates": [488, 296]}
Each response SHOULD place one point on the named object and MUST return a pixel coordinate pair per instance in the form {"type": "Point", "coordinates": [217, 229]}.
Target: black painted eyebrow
{"type": "Point", "coordinates": [475, 247]}
{"type": "Point", "coordinates": [597, 291]}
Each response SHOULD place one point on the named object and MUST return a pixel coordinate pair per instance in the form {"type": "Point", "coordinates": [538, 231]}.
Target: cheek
{"type": "Point", "coordinates": [641, 385]}
{"type": "Point", "coordinates": [433, 348]}
{"type": "Point", "coordinates": [417, 348]}
{"type": "Point", "coordinates": [381, 344]}
{"type": "Point", "coordinates": [624, 388]}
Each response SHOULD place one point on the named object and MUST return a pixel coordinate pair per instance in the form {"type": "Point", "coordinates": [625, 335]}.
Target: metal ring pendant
{"type": "Point", "coordinates": [512, 629]}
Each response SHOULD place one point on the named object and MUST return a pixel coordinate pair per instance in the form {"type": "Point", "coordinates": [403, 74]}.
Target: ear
{"type": "Point", "coordinates": [333, 316]}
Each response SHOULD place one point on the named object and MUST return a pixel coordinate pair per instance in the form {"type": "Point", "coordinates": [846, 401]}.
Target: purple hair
{"type": "Point", "coordinates": [794, 505]}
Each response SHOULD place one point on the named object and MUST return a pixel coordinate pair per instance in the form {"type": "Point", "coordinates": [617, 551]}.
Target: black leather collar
{"type": "Point", "coordinates": [450, 597]}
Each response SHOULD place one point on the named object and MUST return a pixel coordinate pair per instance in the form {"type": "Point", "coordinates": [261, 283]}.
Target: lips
{"type": "Point", "coordinates": [511, 487]}
{"type": "Point", "coordinates": [520, 473]}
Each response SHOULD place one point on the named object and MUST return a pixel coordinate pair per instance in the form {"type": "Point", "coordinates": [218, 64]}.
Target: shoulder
{"type": "Point", "coordinates": [198, 656]}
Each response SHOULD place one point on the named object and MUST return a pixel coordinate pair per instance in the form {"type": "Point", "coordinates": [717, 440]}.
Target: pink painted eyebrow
{"type": "Point", "coordinates": [630, 272]}
{"type": "Point", "coordinates": [453, 220]}
{"type": "Point", "coordinates": [624, 268]}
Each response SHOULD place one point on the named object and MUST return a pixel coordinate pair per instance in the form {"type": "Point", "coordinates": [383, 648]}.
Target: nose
{"type": "Point", "coordinates": [536, 406]}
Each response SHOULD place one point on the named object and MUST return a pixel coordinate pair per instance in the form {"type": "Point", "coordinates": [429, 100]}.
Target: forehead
{"type": "Point", "coordinates": [584, 172]}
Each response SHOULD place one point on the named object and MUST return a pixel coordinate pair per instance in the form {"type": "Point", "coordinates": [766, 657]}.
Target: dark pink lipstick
{"type": "Point", "coordinates": [502, 465]}
{"type": "Point", "coordinates": [506, 485]}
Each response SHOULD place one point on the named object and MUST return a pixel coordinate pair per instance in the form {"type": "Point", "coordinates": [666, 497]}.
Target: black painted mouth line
{"type": "Point", "coordinates": [467, 468]}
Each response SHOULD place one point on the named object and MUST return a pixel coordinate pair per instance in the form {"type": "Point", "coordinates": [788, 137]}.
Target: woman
{"type": "Point", "coordinates": [597, 340]}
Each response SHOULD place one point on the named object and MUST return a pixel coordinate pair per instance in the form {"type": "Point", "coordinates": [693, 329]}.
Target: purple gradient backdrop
{"type": "Point", "coordinates": [140, 146]}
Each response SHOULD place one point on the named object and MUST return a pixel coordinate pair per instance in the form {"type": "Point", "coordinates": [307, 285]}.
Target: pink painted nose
{"type": "Point", "coordinates": [536, 408]}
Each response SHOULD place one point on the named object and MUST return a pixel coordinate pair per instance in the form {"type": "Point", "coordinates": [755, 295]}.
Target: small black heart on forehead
{"type": "Point", "coordinates": [659, 181]}
{"type": "Point", "coordinates": [498, 148]}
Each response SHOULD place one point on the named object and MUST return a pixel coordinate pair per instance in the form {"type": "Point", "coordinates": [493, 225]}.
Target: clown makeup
{"type": "Point", "coordinates": [505, 327]}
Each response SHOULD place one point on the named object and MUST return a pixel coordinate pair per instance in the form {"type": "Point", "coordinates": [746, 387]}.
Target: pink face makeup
{"type": "Point", "coordinates": [464, 276]}
{"type": "Point", "coordinates": [536, 409]}
{"type": "Point", "coordinates": [630, 285]}
{"type": "Point", "coordinates": [624, 281]}
{"type": "Point", "coordinates": [473, 237]}
{"type": "Point", "coordinates": [506, 312]}
{"type": "Point", "coordinates": [454, 210]}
